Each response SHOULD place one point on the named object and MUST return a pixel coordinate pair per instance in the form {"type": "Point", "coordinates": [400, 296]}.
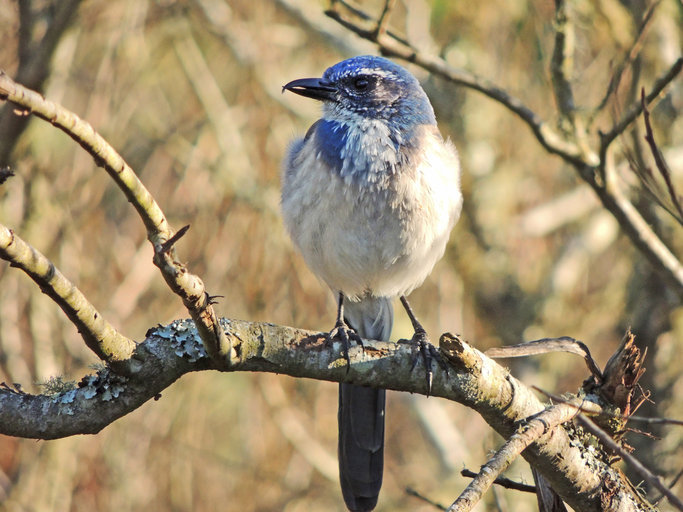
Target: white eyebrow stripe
{"type": "Point", "coordinates": [371, 71]}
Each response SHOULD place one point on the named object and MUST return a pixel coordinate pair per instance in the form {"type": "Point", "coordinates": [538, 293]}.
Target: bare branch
{"type": "Point", "coordinates": [562, 62]}
{"type": "Point", "coordinates": [637, 228]}
{"type": "Point", "coordinates": [503, 482]}
{"type": "Point", "coordinates": [383, 21]}
{"type": "Point", "coordinates": [530, 431]}
{"type": "Point", "coordinates": [634, 111]}
{"type": "Point", "coordinates": [100, 336]}
{"type": "Point", "coordinates": [187, 286]}
{"type": "Point", "coordinates": [547, 345]}
{"type": "Point", "coordinates": [628, 59]}
{"type": "Point", "coordinates": [661, 164]}
{"type": "Point", "coordinates": [412, 492]}
{"type": "Point", "coordinates": [593, 409]}
{"type": "Point", "coordinates": [104, 155]}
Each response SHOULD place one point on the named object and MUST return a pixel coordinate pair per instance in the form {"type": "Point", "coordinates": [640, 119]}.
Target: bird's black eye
{"type": "Point", "coordinates": [361, 83]}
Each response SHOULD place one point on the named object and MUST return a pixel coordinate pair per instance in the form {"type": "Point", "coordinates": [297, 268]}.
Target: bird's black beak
{"type": "Point", "coordinates": [315, 88]}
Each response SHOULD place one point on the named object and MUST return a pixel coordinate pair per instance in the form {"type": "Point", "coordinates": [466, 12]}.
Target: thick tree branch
{"type": "Point", "coordinates": [580, 477]}
{"type": "Point", "coordinates": [187, 286]}
{"type": "Point", "coordinates": [99, 335]}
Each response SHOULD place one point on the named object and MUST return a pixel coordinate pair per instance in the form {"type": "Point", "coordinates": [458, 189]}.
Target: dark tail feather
{"type": "Point", "coordinates": [361, 414]}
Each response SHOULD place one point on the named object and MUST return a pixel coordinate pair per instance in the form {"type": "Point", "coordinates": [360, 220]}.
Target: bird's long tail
{"type": "Point", "coordinates": [361, 413]}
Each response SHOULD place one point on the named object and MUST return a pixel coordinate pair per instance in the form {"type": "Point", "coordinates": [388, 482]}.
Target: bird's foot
{"type": "Point", "coordinates": [423, 349]}
{"type": "Point", "coordinates": [345, 334]}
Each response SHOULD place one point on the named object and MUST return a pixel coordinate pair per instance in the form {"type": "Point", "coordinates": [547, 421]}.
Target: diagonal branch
{"type": "Point", "coordinates": [651, 478]}
{"type": "Point", "coordinates": [627, 60]}
{"type": "Point", "coordinates": [531, 430]}
{"type": "Point", "coordinates": [637, 107]}
{"type": "Point", "coordinates": [187, 286]}
{"type": "Point", "coordinates": [661, 164]}
{"type": "Point", "coordinates": [99, 335]}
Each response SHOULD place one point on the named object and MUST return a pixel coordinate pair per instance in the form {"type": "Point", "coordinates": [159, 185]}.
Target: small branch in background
{"type": "Point", "coordinates": [562, 64]}
{"type": "Point", "coordinates": [634, 110]}
{"type": "Point", "coordinates": [628, 59]}
{"type": "Point", "coordinates": [412, 492]}
{"type": "Point", "coordinates": [187, 286]}
{"type": "Point", "coordinates": [661, 164]}
{"type": "Point", "coordinates": [100, 336]}
{"type": "Point", "coordinates": [593, 409]}
{"type": "Point", "coordinates": [673, 482]}
{"type": "Point", "coordinates": [503, 482]}
{"type": "Point", "coordinates": [530, 431]}
{"type": "Point", "coordinates": [383, 21]}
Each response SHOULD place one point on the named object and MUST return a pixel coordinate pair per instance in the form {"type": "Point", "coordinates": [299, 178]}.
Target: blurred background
{"type": "Point", "coordinates": [189, 92]}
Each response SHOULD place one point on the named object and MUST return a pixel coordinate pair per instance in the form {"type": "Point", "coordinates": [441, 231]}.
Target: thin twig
{"type": "Point", "coordinates": [635, 226]}
{"type": "Point", "coordinates": [673, 482]}
{"type": "Point", "coordinates": [628, 59]}
{"type": "Point", "coordinates": [412, 492]}
{"type": "Point", "coordinates": [593, 409]}
{"type": "Point", "coordinates": [531, 430]}
{"type": "Point", "coordinates": [634, 110]}
{"type": "Point", "coordinates": [187, 286]}
{"type": "Point", "coordinates": [562, 61]}
{"type": "Point", "coordinates": [637, 466]}
{"type": "Point", "coordinates": [503, 482]}
{"type": "Point", "coordinates": [383, 21]}
{"type": "Point", "coordinates": [100, 336]}
{"type": "Point", "coordinates": [661, 164]}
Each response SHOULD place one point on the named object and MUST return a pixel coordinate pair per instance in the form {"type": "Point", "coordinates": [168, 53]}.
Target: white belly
{"type": "Point", "coordinates": [362, 238]}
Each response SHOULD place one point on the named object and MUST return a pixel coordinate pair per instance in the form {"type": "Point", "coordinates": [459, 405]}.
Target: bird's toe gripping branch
{"type": "Point", "coordinates": [345, 334]}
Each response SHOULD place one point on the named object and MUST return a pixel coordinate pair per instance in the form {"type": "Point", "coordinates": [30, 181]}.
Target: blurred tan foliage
{"type": "Point", "coordinates": [189, 93]}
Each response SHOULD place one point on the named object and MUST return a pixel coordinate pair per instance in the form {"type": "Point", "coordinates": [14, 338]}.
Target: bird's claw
{"type": "Point", "coordinates": [345, 334]}
{"type": "Point", "coordinates": [427, 352]}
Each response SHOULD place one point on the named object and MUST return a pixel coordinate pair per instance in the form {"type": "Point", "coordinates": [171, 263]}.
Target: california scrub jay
{"type": "Point", "coordinates": [369, 196]}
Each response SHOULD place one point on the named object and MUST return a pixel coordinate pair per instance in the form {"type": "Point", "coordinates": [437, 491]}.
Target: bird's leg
{"type": "Point", "coordinates": [424, 346]}
{"type": "Point", "coordinates": [344, 332]}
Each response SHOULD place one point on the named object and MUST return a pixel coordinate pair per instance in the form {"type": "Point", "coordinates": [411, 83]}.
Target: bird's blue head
{"type": "Point", "coordinates": [368, 87]}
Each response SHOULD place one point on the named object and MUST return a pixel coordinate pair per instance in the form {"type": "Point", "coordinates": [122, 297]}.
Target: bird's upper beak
{"type": "Point", "coordinates": [315, 88]}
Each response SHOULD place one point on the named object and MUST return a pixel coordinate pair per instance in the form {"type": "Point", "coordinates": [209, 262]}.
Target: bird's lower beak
{"type": "Point", "coordinates": [315, 88]}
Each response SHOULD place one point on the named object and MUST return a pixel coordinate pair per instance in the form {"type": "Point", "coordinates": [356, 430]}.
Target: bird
{"type": "Point", "coordinates": [369, 196]}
